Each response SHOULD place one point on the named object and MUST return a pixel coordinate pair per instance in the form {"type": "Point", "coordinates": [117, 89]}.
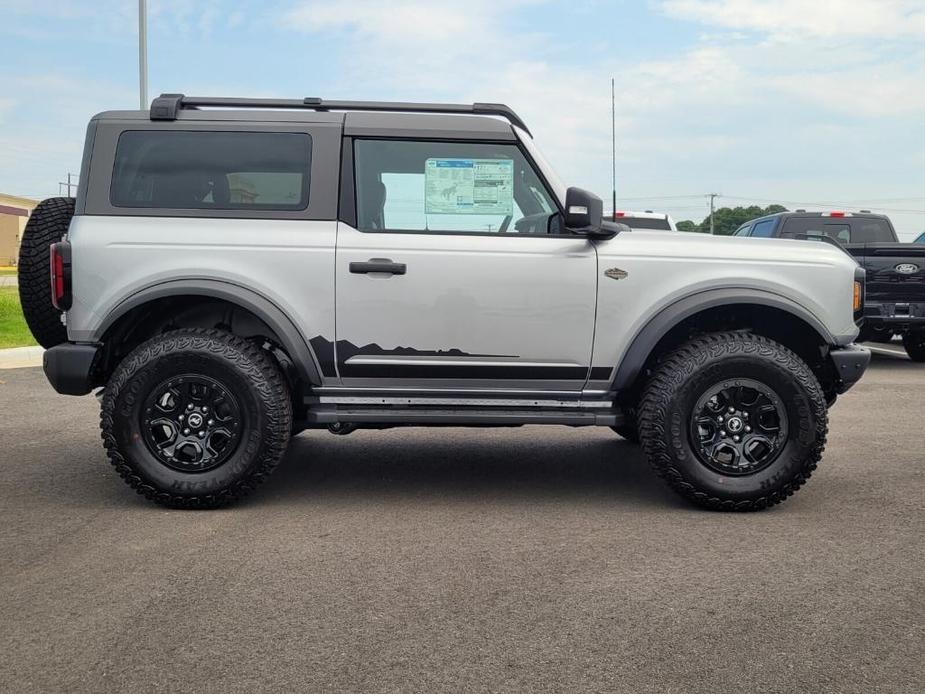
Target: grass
{"type": "Point", "coordinates": [13, 329]}
{"type": "Point", "coordinates": [7, 271]}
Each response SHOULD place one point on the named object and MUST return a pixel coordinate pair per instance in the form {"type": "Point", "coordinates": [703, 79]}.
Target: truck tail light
{"type": "Point", "coordinates": [60, 263]}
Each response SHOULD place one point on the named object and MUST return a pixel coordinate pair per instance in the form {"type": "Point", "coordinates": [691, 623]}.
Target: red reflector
{"type": "Point", "coordinates": [57, 277]}
{"type": "Point", "coordinates": [619, 214]}
{"type": "Point", "coordinates": [836, 214]}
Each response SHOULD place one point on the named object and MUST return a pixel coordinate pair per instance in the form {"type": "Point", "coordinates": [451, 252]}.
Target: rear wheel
{"type": "Point", "coordinates": [915, 346]}
{"type": "Point", "coordinates": [733, 421]}
{"type": "Point", "coordinates": [196, 418]}
{"type": "Point", "coordinates": [48, 222]}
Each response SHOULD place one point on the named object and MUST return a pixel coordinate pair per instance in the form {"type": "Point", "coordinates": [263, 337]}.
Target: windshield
{"type": "Point", "coordinates": [921, 239]}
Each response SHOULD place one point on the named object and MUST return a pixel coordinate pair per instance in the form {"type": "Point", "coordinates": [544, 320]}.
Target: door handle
{"type": "Point", "coordinates": [383, 265]}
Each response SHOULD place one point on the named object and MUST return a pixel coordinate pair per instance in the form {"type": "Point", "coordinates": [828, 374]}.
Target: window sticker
{"type": "Point", "coordinates": [469, 186]}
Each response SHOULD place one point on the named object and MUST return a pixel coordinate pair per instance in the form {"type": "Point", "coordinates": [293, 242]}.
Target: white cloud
{"type": "Point", "coordinates": [796, 19]}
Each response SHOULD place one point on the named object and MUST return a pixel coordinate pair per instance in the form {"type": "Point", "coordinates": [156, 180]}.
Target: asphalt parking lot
{"type": "Point", "coordinates": [532, 559]}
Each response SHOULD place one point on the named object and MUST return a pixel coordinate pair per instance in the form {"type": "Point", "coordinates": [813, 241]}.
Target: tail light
{"type": "Point", "coordinates": [60, 262]}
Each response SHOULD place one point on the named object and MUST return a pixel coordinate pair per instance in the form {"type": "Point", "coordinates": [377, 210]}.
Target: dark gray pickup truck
{"type": "Point", "coordinates": [895, 301]}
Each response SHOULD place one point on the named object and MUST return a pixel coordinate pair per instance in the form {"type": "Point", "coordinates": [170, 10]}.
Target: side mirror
{"type": "Point", "coordinates": [584, 214]}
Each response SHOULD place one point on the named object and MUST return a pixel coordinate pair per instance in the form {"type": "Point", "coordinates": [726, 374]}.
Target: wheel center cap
{"type": "Point", "coordinates": [734, 424]}
{"type": "Point", "coordinates": [195, 419]}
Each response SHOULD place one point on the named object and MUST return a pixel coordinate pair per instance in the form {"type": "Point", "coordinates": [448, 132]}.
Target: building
{"type": "Point", "coordinates": [14, 212]}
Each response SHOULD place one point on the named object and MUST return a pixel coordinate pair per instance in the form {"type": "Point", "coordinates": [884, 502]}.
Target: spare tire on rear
{"type": "Point", "coordinates": [47, 224]}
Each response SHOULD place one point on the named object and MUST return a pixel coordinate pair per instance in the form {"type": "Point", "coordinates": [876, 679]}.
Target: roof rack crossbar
{"type": "Point", "coordinates": [168, 106]}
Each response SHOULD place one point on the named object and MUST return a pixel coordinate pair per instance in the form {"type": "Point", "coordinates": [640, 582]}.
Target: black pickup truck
{"type": "Point", "coordinates": [895, 301]}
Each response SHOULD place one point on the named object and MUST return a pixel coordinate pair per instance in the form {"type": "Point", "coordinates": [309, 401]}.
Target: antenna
{"type": "Point", "coordinates": [613, 145]}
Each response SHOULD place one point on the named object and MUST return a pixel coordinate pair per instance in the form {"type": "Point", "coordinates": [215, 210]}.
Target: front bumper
{"type": "Point", "coordinates": [69, 366]}
{"type": "Point", "coordinates": [849, 363]}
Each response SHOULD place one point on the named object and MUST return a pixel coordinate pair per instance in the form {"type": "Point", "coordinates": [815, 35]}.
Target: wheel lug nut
{"type": "Point", "coordinates": [747, 429]}
{"type": "Point", "coordinates": [190, 406]}
{"type": "Point", "coordinates": [720, 418]}
{"type": "Point", "coordinates": [186, 431]}
{"type": "Point", "coordinates": [182, 416]}
{"type": "Point", "coordinates": [735, 438]}
{"type": "Point", "coordinates": [205, 409]}
{"type": "Point", "coordinates": [201, 434]}
{"type": "Point", "coordinates": [722, 433]}
{"type": "Point", "coordinates": [731, 410]}
{"type": "Point", "coordinates": [211, 422]}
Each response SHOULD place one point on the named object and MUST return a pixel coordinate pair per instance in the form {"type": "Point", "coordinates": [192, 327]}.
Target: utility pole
{"type": "Point", "coordinates": [142, 54]}
{"type": "Point", "coordinates": [712, 197]}
{"type": "Point", "coordinates": [613, 145]}
{"type": "Point", "coordinates": [69, 185]}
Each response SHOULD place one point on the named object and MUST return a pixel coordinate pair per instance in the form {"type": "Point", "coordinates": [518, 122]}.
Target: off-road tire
{"type": "Point", "coordinates": [629, 430]}
{"type": "Point", "coordinates": [915, 346]}
{"type": "Point", "coordinates": [47, 224]}
{"type": "Point", "coordinates": [682, 376]}
{"type": "Point", "coordinates": [247, 372]}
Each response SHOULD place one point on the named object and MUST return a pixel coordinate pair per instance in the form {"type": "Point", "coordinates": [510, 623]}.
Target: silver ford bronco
{"type": "Point", "coordinates": [233, 271]}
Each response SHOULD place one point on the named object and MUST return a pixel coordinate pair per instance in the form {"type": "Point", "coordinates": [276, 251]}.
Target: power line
{"type": "Point", "coordinates": [870, 203]}
{"type": "Point", "coordinates": [818, 204]}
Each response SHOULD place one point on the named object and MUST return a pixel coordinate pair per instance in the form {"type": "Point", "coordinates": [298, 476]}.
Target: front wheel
{"type": "Point", "coordinates": [915, 346]}
{"type": "Point", "coordinates": [196, 418]}
{"type": "Point", "coordinates": [733, 421]}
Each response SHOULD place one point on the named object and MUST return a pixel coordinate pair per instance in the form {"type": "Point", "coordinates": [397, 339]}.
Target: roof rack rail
{"type": "Point", "coordinates": [168, 106]}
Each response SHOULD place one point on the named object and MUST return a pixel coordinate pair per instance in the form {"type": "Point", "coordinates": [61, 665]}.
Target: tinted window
{"type": "Point", "coordinates": [842, 229]}
{"type": "Point", "coordinates": [920, 239]}
{"type": "Point", "coordinates": [764, 229]}
{"type": "Point", "coordinates": [644, 223]}
{"type": "Point", "coordinates": [743, 231]}
{"type": "Point", "coordinates": [449, 186]}
{"type": "Point", "coordinates": [198, 170]}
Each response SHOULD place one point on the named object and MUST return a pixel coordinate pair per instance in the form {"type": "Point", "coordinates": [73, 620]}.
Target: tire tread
{"type": "Point", "coordinates": [680, 365]}
{"type": "Point", "coordinates": [253, 362]}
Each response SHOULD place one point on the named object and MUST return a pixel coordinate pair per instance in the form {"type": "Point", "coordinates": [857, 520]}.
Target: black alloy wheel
{"type": "Point", "coordinates": [192, 423]}
{"type": "Point", "coordinates": [738, 427]}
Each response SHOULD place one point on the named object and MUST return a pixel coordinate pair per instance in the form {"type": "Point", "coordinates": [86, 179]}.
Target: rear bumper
{"type": "Point", "coordinates": [899, 317]}
{"type": "Point", "coordinates": [68, 367]}
{"type": "Point", "coordinates": [850, 362]}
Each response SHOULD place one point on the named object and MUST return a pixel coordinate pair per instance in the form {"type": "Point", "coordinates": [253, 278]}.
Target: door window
{"type": "Point", "coordinates": [449, 187]}
{"type": "Point", "coordinates": [764, 229]}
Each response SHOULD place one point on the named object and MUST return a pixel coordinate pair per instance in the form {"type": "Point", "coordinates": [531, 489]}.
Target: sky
{"type": "Point", "coordinates": [816, 105]}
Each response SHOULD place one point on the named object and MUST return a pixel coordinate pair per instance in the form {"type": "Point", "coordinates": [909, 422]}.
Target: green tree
{"type": "Point", "coordinates": [687, 225]}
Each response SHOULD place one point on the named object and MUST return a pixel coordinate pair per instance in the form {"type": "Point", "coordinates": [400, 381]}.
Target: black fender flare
{"type": "Point", "coordinates": [291, 338]}
{"type": "Point", "coordinates": [659, 325]}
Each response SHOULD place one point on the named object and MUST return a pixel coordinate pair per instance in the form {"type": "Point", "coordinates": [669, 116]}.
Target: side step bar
{"type": "Point", "coordinates": [460, 416]}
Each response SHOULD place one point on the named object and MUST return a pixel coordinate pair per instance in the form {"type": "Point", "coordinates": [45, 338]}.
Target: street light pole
{"type": "Point", "coordinates": [142, 54]}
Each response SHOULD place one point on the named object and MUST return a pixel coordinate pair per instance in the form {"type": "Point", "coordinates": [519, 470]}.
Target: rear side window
{"type": "Point", "coordinates": [197, 170]}
{"type": "Point", "coordinates": [842, 229]}
{"type": "Point", "coordinates": [644, 223]}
